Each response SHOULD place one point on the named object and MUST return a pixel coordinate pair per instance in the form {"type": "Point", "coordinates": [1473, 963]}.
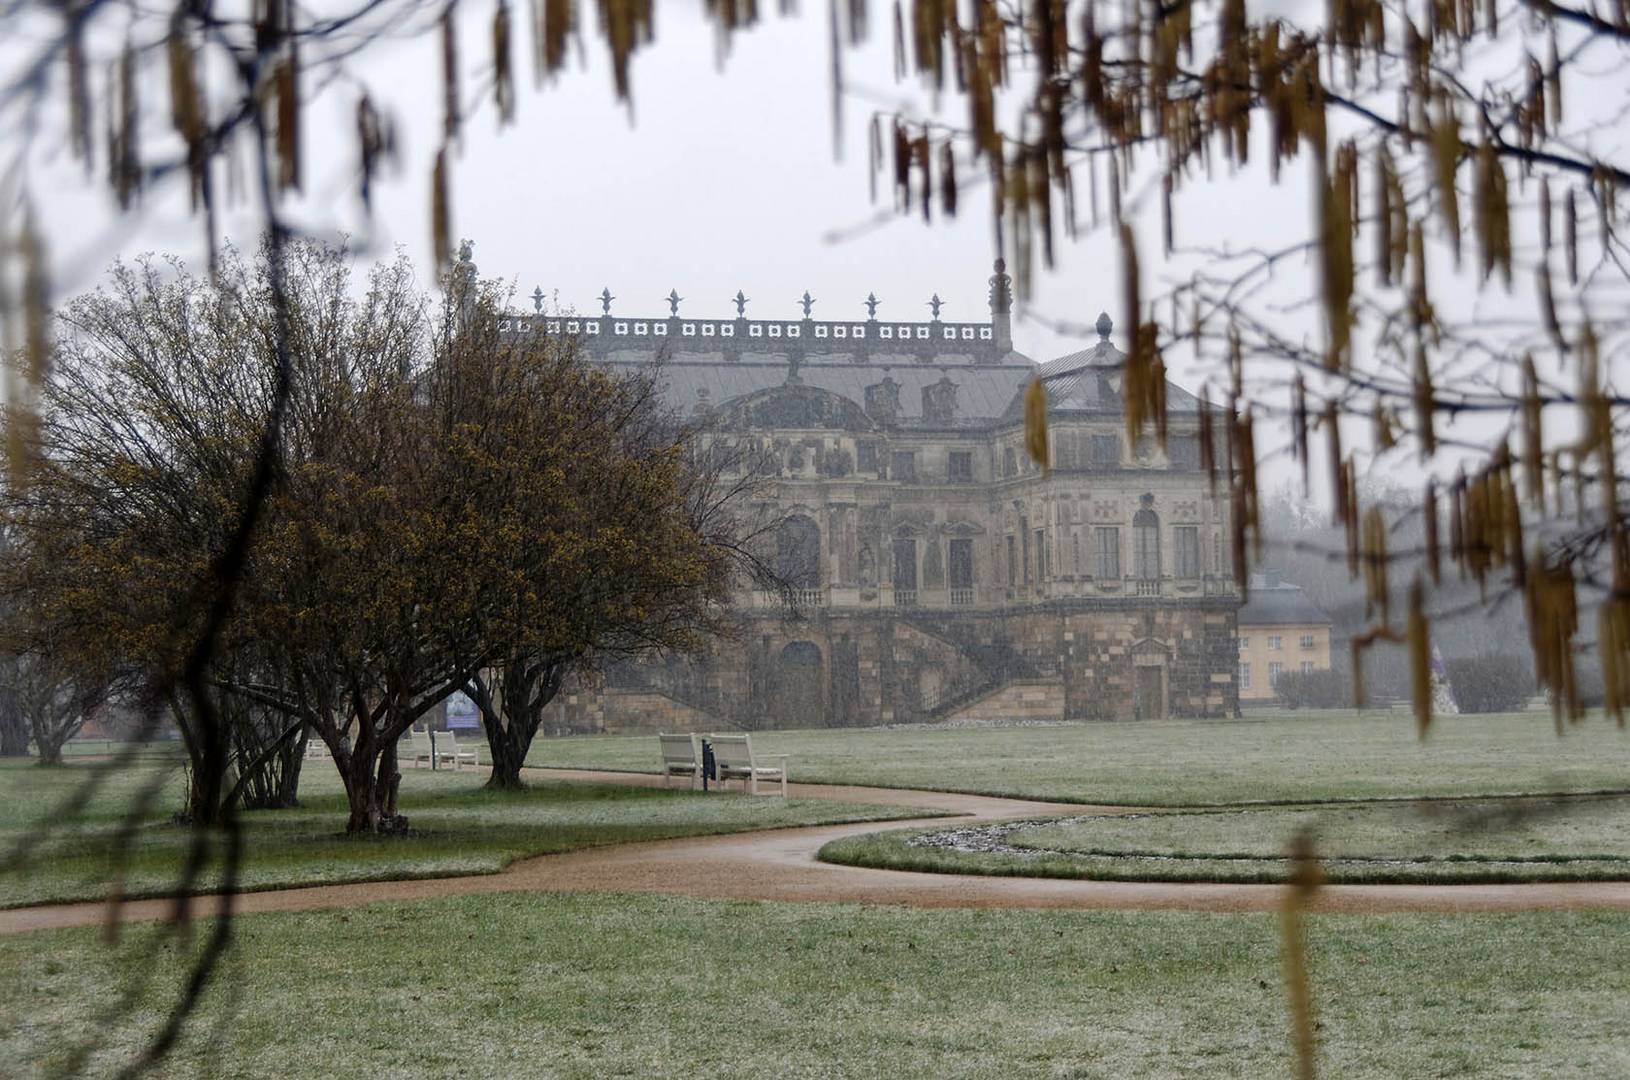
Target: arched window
{"type": "Point", "coordinates": [1146, 545]}
{"type": "Point", "coordinates": [798, 552]}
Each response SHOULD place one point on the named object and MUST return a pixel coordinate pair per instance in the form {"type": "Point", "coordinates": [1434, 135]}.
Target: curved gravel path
{"type": "Point", "coordinates": [780, 864]}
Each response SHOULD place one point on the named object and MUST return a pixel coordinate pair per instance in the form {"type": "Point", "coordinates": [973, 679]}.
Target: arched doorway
{"type": "Point", "coordinates": [798, 700]}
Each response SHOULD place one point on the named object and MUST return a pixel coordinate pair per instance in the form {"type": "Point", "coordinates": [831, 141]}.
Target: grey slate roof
{"type": "Point", "coordinates": [1280, 605]}
{"type": "Point", "coordinates": [709, 363]}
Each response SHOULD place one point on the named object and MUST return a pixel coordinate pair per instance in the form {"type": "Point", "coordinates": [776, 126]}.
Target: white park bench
{"type": "Point", "coordinates": [417, 748]}
{"type": "Point", "coordinates": [733, 759]}
{"type": "Point", "coordinates": [681, 756]}
{"type": "Point", "coordinates": [447, 749]}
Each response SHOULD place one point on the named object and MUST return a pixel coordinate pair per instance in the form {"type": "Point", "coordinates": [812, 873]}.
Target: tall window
{"type": "Point", "coordinates": [1188, 551]}
{"type": "Point", "coordinates": [905, 564]}
{"type": "Point", "coordinates": [1146, 544]}
{"type": "Point", "coordinates": [1024, 547]}
{"type": "Point", "coordinates": [1041, 555]}
{"type": "Point", "coordinates": [1012, 560]}
{"type": "Point", "coordinates": [1245, 676]}
{"type": "Point", "coordinates": [1274, 671]}
{"type": "Point", "coordinates": [1184, 452]}
{"type": "Point", "coordinates": [903, 466]}
{"type": "Point", "coordinates": [1010, 461]}
{"type": "Point", "coordinates": [1075, 547]}
{"type": "Point", "coordinates": [1307, 667]}
{"type": "Point", "coordinates": [1109, 551]}
{"type": "Point", "coordinates": [798, 552]}
{"type": "Point", "coordinates": [960, 559]}
{"type": "Point", "coordinates": [961, 466]}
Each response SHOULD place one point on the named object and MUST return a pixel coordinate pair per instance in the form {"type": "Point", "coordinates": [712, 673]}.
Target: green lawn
{"type": "Point", "coordinates": [587, 986]}
{"type": "Point", "coordinates": [1287, 758]}
{"type": "Point", "coordinates": [458, 828]}
{"type": "Point", "coordinates": [1507, 840]}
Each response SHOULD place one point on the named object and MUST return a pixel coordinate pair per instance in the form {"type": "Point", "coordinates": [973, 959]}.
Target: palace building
{"type": "Point", "coordinates": [939, 574]}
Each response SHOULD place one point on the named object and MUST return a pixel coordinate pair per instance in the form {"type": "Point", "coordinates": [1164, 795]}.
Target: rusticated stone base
{"type": "Point", "coordinates": [1115, 659]}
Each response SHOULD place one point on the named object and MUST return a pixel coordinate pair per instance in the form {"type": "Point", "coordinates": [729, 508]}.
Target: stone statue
{"type": "Point", "coordinates": [868, 565]}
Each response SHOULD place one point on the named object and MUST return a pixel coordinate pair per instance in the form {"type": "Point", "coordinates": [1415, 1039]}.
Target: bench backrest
{"type": "Point", "coordinates": [732, 751]}
{"type": "Point", "coordinates": [679, 749]}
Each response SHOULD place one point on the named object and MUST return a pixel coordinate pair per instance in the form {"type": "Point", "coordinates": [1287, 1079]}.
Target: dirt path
{"type": "Point", "coordinates": [780, 864]}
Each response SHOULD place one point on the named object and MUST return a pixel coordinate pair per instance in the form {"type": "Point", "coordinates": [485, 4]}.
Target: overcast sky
{"type": "Point", "coordinates": [719, 178]}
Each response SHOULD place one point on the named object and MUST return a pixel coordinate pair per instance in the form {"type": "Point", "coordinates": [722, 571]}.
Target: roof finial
{"type": "Point", "coordinates": [1001, 290]}
{"type": "Point", "coordinates": [1103, 326]}
{"type": "Point", "coordinates": [871, 306]}
{"type": "Point", "coordinates": [808, 301]}
{"type": "Point", "coordinates": [605, 301]}
{"type": "Point", "coordinates": [935, 302]}
{"type": "Point", "coordinates": [673, 302]}
{"type": "Point", "coordinates": [537, 299]}
{"type": "Point", "coordinates": [741, 304]}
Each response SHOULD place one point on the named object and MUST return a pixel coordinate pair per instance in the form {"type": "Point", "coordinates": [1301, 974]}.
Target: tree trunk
{"type": "Point", "coordinates": [511, 725]}
{"type": "Point", "coordinates": [508, 747]}
{"type": "Point", "coordinates": [50, 751]}
{"type": "Point", "coordinates": [371, 783]}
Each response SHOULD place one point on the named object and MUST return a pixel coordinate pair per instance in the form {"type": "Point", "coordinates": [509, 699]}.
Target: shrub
{"type": "Point", "coordinates": [1486, 684]}
{"type": "Point", "coordinates": [1314, 690]}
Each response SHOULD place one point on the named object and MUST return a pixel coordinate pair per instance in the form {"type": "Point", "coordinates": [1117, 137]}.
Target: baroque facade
{"type": "Point", "coordinates": [939, 573]}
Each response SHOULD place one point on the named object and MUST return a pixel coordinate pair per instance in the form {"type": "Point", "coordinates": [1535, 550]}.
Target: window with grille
{"type": "Point", "coordinates": [960, 563]}
{"type": "Point", "coordinates": [1275, 642]}
{"type": "Point", "coordinates": [1274, 671]}
{"type": "Point", "coordinates": [1184, 452]}
{"type": "Point", "coordinates": [1245, 676]}
{"type": "Point", "coordinates": [1188, 551]}
{"type": "Point", "coordinates": [905, 564]}
{"type": "Point", "coordinates": [1146, 545]}
{"type": "Point", "coordinates": [1307, 641]}
{"type": "Point", "coordinates": [1109, 551]}
{"type": "Point", "coordinates": [961, 466]}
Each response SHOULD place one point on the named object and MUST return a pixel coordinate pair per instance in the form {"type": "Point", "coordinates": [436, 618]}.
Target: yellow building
{"type": "Point", "coordinates": [1280, 630]}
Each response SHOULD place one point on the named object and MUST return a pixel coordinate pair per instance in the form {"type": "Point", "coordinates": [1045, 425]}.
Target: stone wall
{"type": "Point", "coordinates": [1103, 660]}
{"type": "Point", "coordinates": [1022, 700]}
